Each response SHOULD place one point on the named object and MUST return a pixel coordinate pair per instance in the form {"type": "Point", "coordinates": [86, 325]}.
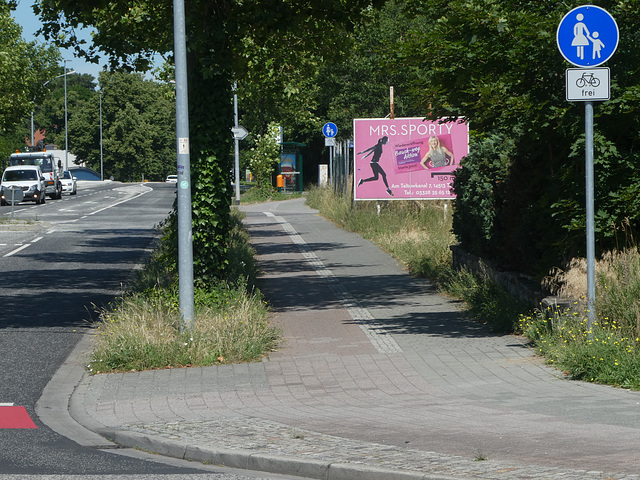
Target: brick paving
{"type": "Point", "coordinates": [379, 377]}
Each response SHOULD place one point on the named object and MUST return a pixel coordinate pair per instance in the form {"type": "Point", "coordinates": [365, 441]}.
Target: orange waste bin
{"type": "Point", "coordinates": [280, 181]}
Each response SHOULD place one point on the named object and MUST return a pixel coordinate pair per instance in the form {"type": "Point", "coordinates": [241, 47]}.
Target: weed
{"type": "Point", "coordinates": [142, 329]}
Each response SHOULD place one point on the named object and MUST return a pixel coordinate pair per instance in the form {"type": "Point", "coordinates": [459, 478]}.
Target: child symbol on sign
{"type": "Point", "coordinates": [596, 43]}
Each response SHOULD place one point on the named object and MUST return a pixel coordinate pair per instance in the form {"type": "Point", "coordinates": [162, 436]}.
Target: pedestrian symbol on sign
{"type": "Point", "coordinates": [330, 130]}
{"type": "Point", "coordinates": [582, 38]}
{"type": "Point", "coordinates": [587, 36]}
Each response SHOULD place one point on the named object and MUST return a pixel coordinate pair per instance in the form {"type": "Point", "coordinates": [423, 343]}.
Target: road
{"type": "Point", "coordinates": [74, 257]}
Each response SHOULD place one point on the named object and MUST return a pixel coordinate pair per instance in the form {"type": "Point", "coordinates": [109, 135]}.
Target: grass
{"type": "Point", "coordinates": [143, 330]}
{"type": "Point", "coordinates": [419, 235]}
{"type": "Point", "coordinates": [268, 194]}
{"type": "Point", "coordinates": [608, 350]}
{"type": "Point", "coordinates": [17, 221]}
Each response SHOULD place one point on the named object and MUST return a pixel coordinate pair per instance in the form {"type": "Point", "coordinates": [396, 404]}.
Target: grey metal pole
{"type": "Point", "coordinates": [101, 162]}
{"type": "Point", "coordinates": [591, 244]}
{"type": "Point", "coordinates": [185, 245]}
{"type": "Point", "coordinates": [32, 139]}
{"type": "Point", "coordinates": [345, 149]}
{"type": "Point", "coordinates": [236, 145]}
{"type": "Point", "coordinates": [331, 166]}
{"type": "Point", "coordinates": [66, 130]}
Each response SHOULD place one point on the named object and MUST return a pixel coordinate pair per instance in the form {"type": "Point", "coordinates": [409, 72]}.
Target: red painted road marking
{"type": "Point", "coordinates": [15, 417]}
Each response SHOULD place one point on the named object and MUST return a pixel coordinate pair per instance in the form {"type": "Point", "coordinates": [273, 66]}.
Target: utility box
{"type": "Point", "coordinates": [290, 166]}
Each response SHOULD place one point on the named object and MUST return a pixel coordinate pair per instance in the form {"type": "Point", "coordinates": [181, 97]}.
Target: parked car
{"type": "Point", "coordinates": [69, 183]}
{"type": "Point", "coordinates": [172, 179]}
{"type": "Point", "coordinates": [27, 178]}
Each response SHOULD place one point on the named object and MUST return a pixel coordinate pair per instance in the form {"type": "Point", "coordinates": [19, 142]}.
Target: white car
{"type": "Point", "coordinates": [69, 183]}
{"type": "Point", "coordinates": [27, 178]}
{"type": "Point", "coordinates": [172, 179]}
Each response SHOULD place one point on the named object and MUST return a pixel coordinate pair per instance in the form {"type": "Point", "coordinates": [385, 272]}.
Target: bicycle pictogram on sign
{"type": "Point", "coordinates": [587, 79]}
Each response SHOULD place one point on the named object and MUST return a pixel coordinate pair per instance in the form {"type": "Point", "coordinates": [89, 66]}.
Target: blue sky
{"type": "Point", "coordinates": [30, 24]}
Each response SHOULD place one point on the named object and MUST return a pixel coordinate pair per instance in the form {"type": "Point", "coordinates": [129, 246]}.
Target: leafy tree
{"type": "Point", "coordinates": [358, 85]}
{"type": "Point", "coordinates": [49, 114]}
{"type": "Point", "coordinates": [24, 67]}
{"type": "Point", "coordinates": [497, 64]}
{"type": "Point", "coordinates": [138, 118]}
{"type": "Point", "coordinates": [131, 31]}
{"type": "Point", "coordinates": [265, 155]}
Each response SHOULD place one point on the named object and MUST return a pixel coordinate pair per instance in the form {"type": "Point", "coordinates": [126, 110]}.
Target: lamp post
{"type": "Point", "coordinates": [101, 169]}
{"type": "Point", "coordinates": [66, 130]}
{"type": "Point", "coordinates": [66, 146]}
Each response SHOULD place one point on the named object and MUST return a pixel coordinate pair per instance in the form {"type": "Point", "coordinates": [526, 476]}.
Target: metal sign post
{"type": "Point", "coordinates": [588, 36]}
{"type": "Point", "coordinates": [330, 130]}
{"type": "Point", "coordinates": [185, 245]}
{"type": "Point", "coordinates": [239, 133]}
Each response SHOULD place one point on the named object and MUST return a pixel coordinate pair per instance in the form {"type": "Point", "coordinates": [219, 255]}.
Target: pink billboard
{"type": "Point", "coordinates": [407, 158]}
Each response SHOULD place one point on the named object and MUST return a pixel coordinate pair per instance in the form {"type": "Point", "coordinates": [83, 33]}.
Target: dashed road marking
{"type": "Point", "coordinates": [382, 341]}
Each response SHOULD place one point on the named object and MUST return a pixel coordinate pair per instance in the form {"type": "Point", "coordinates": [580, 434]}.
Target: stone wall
{"type": "Point", "coordinates": [516, 284]}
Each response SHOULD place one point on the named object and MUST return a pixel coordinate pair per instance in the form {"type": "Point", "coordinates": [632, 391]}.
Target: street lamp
{"type": "Point", "coordinates": [66, 130]}
{"type": "Point", "coordinates": [101, 169]}
{"type": "Point", "coordinates": [66, 138]}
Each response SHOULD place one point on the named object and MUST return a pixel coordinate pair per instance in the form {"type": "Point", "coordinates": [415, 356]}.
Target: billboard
{"type": "Point", "coordinates": [407, 158]}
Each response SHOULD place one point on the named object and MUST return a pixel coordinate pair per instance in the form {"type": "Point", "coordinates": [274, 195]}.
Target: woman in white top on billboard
{"type": "Point", "coordinates": [437, 155]}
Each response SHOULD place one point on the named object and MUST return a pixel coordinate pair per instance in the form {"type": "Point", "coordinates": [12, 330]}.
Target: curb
{"type": "Point", "coordinates": [61, 408]}
{"type": "Point", "coordinates": [281, 465]}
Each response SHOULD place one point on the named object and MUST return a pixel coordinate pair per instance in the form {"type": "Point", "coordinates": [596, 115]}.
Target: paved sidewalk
{"type": "Point", "coordinates": [380, 378]}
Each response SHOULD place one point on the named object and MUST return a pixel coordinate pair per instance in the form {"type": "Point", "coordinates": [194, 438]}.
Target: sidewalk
{"type": "Point", "coordinates": [380, 378]}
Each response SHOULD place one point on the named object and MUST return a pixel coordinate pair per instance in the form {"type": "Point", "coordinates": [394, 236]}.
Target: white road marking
{"type": "Point", "coordinates": [382, 341]}
{"type": "Point", "coordinates": [13, 252]}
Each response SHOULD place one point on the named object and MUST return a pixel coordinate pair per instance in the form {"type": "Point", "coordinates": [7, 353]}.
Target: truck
{"type": "Point", "coordinates": [51, 169]}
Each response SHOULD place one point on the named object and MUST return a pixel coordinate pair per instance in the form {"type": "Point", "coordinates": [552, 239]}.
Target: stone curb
{"type": "Point", "coordinates": [247, 460]}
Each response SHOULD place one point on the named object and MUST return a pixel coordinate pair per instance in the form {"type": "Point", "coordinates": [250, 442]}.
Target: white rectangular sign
{"type": "Point", "coordinates": [587, 84]}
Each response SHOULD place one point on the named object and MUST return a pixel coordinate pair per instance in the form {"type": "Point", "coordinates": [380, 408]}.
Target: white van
{"type": "Point", "coordinates": [27, 178]}
{"type": "Point", "coordinates": [51, 169]}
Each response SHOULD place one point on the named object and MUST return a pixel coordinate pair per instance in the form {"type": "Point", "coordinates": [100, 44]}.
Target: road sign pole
{"type": "Point", "coordinates": [236, 142]}
{"type": "Point", "coordinates": [588, 36]}
{"type": "Point", "coordinates": [185, 245]}
{"type": "Point", "coordinates": [591, 244]}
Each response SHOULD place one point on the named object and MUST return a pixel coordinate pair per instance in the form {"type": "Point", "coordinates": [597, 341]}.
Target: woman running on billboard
{"type": "Point", "coordinates": [377, 170]}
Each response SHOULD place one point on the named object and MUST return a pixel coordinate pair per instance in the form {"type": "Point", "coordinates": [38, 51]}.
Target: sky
{"type": "Point", "coordinates": [30, 24]}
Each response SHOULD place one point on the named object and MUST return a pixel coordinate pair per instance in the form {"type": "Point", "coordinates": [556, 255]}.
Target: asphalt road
{"type": "Point", "coordinates": [73, 258]}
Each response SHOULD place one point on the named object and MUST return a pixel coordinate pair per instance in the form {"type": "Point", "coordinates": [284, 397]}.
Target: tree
{"type": "Point", "coordinates": [131, 31]}
{"type": "Point", "coordinates": [497, 64]}
{"type": "Point", "coordinates": [138, 118]}
{"type": "Point", "coordinates": [358, 85]}
{"type": "Point", "coordinates": [24, 67]}
{"type": "Point", "coordinates": [49, 115]}
{"type": "Point", "coordinates": [264, 156]}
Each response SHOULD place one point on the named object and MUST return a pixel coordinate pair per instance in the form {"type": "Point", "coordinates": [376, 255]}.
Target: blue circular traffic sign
{"type": "Point", "coordinates": [330, 130]}
{"type": "Point", "coordinates": [587, 36]}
